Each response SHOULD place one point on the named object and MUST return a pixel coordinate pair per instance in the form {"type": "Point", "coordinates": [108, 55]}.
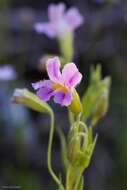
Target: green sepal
{"type": "Point", "coordinates": [75, 106]}
{"type": "Point", "coordinates": [94, 143]}
{"type": "Point", "coordinates": [90, 136]}
{"type": "Point", "coordinates": [71, 132]}
{"type": "Point", "coordinates": [85, 157]}
{"type": "Point", "coordinates": [73, 150]}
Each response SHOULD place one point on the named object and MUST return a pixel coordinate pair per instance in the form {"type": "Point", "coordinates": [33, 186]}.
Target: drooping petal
{"type": "Point", "coordinates": [74, 18]}
{"type": "Point", "coordinates": [45, 93]}
{"type": "Point", "coordinates": [40, 84]}
{"type": "Point", "coordinates": [45, 28]}
{"type": "Point", "coordinates": [53, 69]}
{"type": "Point", "coordinates": [55, 11]}
{"type": "Point", "coordinates": [71, 75]}
{"type": "Point", "coordinates": [62, 98]}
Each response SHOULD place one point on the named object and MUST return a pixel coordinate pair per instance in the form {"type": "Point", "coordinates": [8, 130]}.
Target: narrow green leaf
{"type": "Point", "coordinates": [94, 143]}
{"type": "Point", "coordinates": [90, 137]}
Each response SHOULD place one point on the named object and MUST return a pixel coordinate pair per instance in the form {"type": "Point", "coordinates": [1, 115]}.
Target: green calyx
{"type": "Point", "coordinates": [96, 99]}
{"type": "Point", "coordinates": [75, 106]}
{"type": "Point", "coordinates": [80, 146]}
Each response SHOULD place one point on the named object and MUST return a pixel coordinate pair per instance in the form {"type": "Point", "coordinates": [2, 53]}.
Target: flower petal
{"type": "Point", "coordinates": [40, 84]}
{"type": "Point", "coordinates": [62, 98]}
{"type": "Point", "coordinates": [45, 93]}
{"type": "Point", "coordinates": [71, 75]}
{"type": "Point", "coordinates": [74, 18]}
{"type": "Point", "coordinates": [56, 11]}
{"type": "Point", "coordinates": [45, 28]}
{"type": "Point", "coordinates": [53, 69]}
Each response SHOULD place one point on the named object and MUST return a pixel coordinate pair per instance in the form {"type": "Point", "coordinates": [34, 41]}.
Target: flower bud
{"type": "Point", "coordinates": [95, 100]}
{"type": "Point", "coordinates": [102, 106]}
{"type": "Point", "coordinates": [80, 147]}
{"type": "Point", "coordinates": [95, 74]}
{"type": "Point", "coordinates": [24, 96]}
{"type": "Point", "coordinates": [73, 150]}
{"type": "Point", "coordinates": [73, 146]}
{"type": "Point", "coordinates": [75, 105]}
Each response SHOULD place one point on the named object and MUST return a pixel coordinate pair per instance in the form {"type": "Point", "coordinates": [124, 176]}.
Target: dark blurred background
{"type": "Point", "coordinates": [24, 133]}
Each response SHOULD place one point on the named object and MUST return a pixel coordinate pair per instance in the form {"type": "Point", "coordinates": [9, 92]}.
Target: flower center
{"type": "Point", "coordinates": [60, 87]}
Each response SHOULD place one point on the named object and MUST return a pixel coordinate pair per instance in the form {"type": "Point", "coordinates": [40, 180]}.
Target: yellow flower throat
{"type": "Point", "coordinates": [60, 87]}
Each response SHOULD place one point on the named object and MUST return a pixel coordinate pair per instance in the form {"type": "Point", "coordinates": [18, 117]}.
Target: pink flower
{"type": "Point", "coordinates": [61, 22]}
{"type": "Point", "coordinates": [60, 84]}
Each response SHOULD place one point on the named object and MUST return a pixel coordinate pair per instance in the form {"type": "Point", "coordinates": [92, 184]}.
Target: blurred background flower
{"type": "Point", "coordinates": [24, 133]}
{"type": "Point", "coordinates": [60, 22]}
{"type": "Point", "coordinates": [7, 73]}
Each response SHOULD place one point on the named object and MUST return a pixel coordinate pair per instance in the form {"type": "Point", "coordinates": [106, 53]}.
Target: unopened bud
{"type": "Point", "coordinates": [75, 106]}
{"type": "Point", "coordinates": [95, 74]}
{"type": "Point", "coordinates": [73, 150]}
{"type": "Point", "coordinates": [24, 96]}
{"type": "Point", "coordinates": [102, 106]}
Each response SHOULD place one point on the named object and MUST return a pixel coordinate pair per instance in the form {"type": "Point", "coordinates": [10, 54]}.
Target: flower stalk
{"type": "Point", "coordinates": [49, 152]}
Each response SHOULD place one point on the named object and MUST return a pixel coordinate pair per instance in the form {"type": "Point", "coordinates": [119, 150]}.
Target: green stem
{"type": "Point", "coordinates": [70, 178]}
{"type": "Point", "coordinates": [71, 117]}
{"type": "Point", "coordinates": [78, 180]}
{"type": "Point", "coordinates": [84, 126]}
{"type": "Point", "coordinates": [49, 151]}
{"type": "Point", "coordinates": [66, 46]}
{"type": "Point", "coordinates": [67, 179]}
{"type": "Point", "coordinates": [77, 124]}
{"type": "Point", "coordinates": [81, 183]}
